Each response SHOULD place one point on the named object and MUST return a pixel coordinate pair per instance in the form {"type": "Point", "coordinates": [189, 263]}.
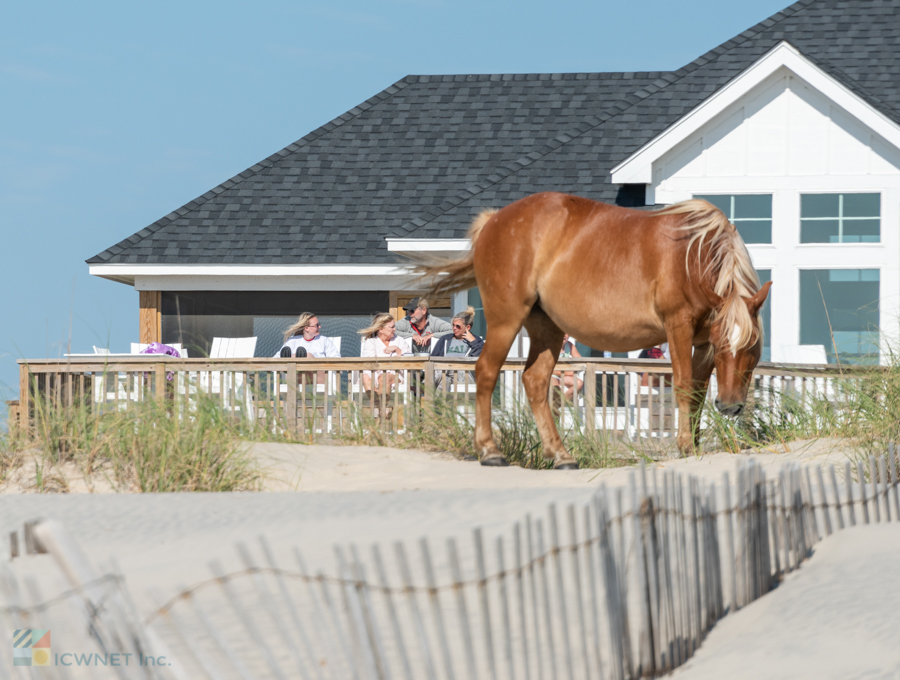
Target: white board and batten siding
{"type": "Point", "coordinates": [786, 138]}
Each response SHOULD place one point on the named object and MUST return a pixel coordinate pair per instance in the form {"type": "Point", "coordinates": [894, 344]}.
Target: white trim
{"type": "Point", "coordinates": [256, 277]}
{"type": "Point", "coordinates": [426, 245]}
{"type": "Point", "coordinates": [638, 168]}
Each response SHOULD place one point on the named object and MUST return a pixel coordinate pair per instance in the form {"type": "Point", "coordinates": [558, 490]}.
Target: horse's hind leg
{"type": "Point", "coordinates": [487, 370]}
{"type": "Point", "coordinates": [546, 342]}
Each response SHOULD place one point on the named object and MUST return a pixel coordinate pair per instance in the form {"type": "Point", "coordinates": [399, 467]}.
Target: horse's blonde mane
{"type": "Point", "coordinates": [728, 260]}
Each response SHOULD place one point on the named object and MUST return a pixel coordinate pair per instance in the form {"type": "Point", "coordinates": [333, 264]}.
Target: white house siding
{"type": "Point", "coordinates": [786, 139]}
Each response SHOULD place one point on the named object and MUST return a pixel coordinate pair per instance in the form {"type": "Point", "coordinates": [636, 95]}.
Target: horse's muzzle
{"type": "Point", "coordinates": [729, 409]}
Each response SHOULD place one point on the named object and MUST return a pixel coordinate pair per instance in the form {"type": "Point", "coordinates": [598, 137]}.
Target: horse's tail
{"type": "Point", "coordinates": [446, 276]}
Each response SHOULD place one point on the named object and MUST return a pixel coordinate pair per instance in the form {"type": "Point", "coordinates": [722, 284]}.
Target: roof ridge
{"type": "Point", "coordinates": [744, 36]}
{"type": "Point", "coordinates": [504, 171]}
{"type": "Point", "coordinates": [463, 196]}
{"type": "Point", "coordinates": [498, 77]}
{"type": "Point", "coordinates": [267, 162]}
{"type": "Point", "coordinates": [851, 83]}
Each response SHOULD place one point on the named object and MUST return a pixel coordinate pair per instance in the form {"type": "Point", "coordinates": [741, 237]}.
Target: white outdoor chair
{"type": "Point", "coordinates": [100, 350]}
{"type": "Point", "coordinates": [219, 383]}
{"type": "Point", "coordinates": [802, 354]}
{"type": "Point", "coordinates": [232, 348]}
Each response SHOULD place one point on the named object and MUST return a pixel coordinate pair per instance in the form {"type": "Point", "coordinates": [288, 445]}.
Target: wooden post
{"type": "Point", "coordinates": [150, 316]}
{"type": "Point", "coordinates": [428, 396]}
{"type": "Point", "coordinates": [24, 399]}
{"type": "Point", "coordinates": [290, 400]}
{"type": "Point", "coordinates": [590, 400]}
{"type": "Point", "coordinates": [160, 381]}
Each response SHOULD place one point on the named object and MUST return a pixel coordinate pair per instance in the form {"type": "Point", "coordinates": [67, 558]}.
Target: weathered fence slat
{"type": "Point", "coordinates": [392, 612]}
{"type": "Point", "coordinates": [487, 633]}
{"type": "Point", "coordinates": [436, 611]}
{"type": "Point", "coordinates": [560, 598]}
{"type": "Point", "coordinates": [895, 479]}
{"type": "Point", "coordinates": [520, 597]}
{"type": "Point", "coordinates": [863, 501]}
{"type": "Point", "coordinates": [882, 469]}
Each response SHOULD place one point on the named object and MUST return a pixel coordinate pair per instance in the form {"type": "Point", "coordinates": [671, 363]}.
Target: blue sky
{"type": "Point", "coordinates": [115, 114]}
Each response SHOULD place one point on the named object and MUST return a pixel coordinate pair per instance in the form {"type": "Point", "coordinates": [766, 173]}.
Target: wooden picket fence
{"type": "Point", "coordinates": [625, 586]}
{"type": "Point", "coordinates": [630, 399]}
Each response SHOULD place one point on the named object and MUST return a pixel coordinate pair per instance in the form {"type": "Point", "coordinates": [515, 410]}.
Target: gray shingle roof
{"type": "Point", "coordinates": [421, 157]}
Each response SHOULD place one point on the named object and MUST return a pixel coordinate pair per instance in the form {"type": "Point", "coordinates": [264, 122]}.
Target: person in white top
{"type": "Point", "coordinates": [380, 340]}
{"type": "Point", "coordinates": [305, 334]}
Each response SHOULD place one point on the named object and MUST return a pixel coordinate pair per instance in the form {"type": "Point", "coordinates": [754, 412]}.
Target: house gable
{"type": "Point", "coordinates": [782, 116]}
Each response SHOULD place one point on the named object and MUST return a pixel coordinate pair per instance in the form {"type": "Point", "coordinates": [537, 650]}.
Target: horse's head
{"type": "Point", "coordinates": [737, 348]}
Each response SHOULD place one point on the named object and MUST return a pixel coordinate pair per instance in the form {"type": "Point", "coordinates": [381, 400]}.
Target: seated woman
{"type": "Point", "coordinates": [303, 340]}
{"type": "Point", "coordinates": [305, 334]}
{"type": "Point", "coordinates": [462, 343]}
{"type": "Point", "coordinates": [567, 379]}
{"type": "Point", "coordinates": [380, 341]}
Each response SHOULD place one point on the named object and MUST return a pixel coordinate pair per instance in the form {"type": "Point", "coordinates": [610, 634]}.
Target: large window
{"type": "Point", "coordinates": [840, 218]}
{"type": "Point", "coordinates": [765, 315]}
{"type": "Point", "coordinates": [839, 310]}
{"type": "Point", "coordinates": [750, 213]}
{"type": "Point", "coordinates": [194, 318]}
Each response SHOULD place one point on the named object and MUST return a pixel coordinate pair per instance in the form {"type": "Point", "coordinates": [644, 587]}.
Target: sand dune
{"type": "Point", "coordinates": [839, 616]}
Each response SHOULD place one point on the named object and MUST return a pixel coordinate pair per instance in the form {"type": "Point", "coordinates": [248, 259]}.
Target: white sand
{"type": "Point", "coordinates": [371, 468]}
{"type": "Point", "coordinates": [837, 617]}
{"type": "Point", "coordinates": [321, 496]}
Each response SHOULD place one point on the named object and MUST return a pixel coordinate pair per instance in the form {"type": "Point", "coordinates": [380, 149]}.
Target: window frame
{"type": "Point", "coordinates": [830, 348]}
{"type": "Point", "coordinates": [730, 214]}
{"type": "Point", "coordinates": [839, 218]}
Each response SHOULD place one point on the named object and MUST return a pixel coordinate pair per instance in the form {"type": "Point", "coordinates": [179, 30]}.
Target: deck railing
{"type": "Point", "coordinates": [631, 398]}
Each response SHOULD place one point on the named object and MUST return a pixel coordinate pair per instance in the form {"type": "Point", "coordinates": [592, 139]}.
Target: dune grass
{"type": "Point", "coordinates": [444, 428]}
{"type": "Point", "coordinates": [862, 408]}
{"type": "Point", "coordinates": [153, 447]}
{"type": "Point", "coordinates": [147, 447]}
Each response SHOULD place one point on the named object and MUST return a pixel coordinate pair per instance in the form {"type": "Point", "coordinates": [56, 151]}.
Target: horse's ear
{"type": "Point", "coordinates": [755, 302]}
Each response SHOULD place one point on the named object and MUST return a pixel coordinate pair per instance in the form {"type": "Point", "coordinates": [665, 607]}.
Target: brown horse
{"type": "Point", "coordinates": [617, 279]}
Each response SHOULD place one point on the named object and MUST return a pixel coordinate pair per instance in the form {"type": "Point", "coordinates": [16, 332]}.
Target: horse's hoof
{"type": "Point", "coordinates": [566, 466]}
{"type": "Point", "coordinates": [470, 457]}
{"type": "Point", "coordinates": [495, 461]}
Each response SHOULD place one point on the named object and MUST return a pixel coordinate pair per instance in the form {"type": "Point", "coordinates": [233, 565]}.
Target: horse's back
{"type": "Point", "coordinates": [594, 268]}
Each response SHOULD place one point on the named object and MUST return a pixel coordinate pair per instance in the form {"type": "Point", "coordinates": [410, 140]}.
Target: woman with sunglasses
{"type": "Point", "coordinates": [462, 343]}
{"type": "Point", "coordinates": [305, 334]}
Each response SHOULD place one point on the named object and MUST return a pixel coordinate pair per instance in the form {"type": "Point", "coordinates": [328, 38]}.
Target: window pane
{"type": "Point", "coordinates": [862, 205]}
{"type": "Point", "coordinates": [850, 297]}
{"type": "Point", "coordinates": [269, 331]}
{"type": "Point", "coordinates": [862, 231]}
{"type": "Point", "coordinates": [723, 203]}
{"type": "Point", "coordinates": [765, 315]}
{"type": "Point", "coordinates": [819, 231]}
{"type": "Point", "coordinates": [479, 325]}
{"type": "Point", "coordinates": [752, 206]}
{"type": "Point", "coordinates": [756, 231]}
{"type": "Point", "coordinates": [819, 205]}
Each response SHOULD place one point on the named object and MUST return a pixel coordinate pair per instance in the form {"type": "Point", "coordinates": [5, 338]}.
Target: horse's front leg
{"type": "Point", "coordinates": [681, 338]}
{"type": "Point", "coordinates": [701, 369]}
